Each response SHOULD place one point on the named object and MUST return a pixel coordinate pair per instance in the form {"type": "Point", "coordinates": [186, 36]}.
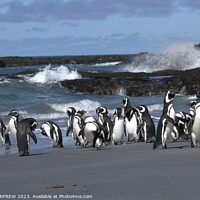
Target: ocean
{"type": "Point", "coordinates": [41, 96]}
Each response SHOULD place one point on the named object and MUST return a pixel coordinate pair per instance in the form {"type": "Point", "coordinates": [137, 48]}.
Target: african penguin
{"type": "Point", "coordinates": [105, 120]}
{"type": "Point", "coordinates": [195, 129]}
{"type": "Point", "coordinates": [25, 128]}
{"type": "Point", "coordinates": [71, 111]}
{"type": "Point", "coordinates": [148, 124]}
{"type": "Point", "coordinates": [4, 137]}
{"type": "Point", "coordinates": [94, 133]}
{"type": "Point", "coordinates": [166, 122]}
{"type": "Point", "coordinates": [12, 124]}
{"type": "Point", "coordinates": [132, 124]}
{"type": "Point", "coordinates": [118, 129]}
{"type": "Point", "coordinates": [52, 130]}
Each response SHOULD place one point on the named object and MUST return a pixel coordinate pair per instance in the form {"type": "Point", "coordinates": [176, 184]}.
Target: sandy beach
{"type": "Point", "coordinates": [128, 171]}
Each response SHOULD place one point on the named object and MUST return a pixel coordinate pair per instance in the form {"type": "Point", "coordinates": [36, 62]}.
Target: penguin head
{"type": "Point", "coordinates": [169, 97]}
{"type": "Point", "coordinates": [143, 108]}
{"type": "Point", "coordinates": [42, 130]}
{"type": "Point", "coordinates": [33, 124]}
{"type": "Point", "coordinates": [71, 111]}
{"type": "Point", "coordinates": [198, 94]}
{"type": "Point", "coordinates": [118, 112]}
{"type": "Point", "coordinates": [126, 101]}
{"type": "Point", "coordinates": [101, 110]}
{"type": "Point", "coordinates": [14, 113]}
{"type": "Point", "coordinates": [81, 112]}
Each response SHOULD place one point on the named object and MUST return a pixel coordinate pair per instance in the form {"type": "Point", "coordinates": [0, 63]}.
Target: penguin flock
{"type": "Point", "coordinates": [127, 124]}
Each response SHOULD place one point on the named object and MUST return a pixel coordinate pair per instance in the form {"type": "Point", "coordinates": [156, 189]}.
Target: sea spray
{"type": "Point", "coordinates": [54, 74]}
{"type": "Point", "coordinates": [86, 104]}
{"type": "Point", "coordinates": [178, 56]}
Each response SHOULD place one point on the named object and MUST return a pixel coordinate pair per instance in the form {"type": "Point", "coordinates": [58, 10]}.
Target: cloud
{"type": "Point", "coordinates": [191, 4]}
{"type": "Point", "coordinates": [51, 10]}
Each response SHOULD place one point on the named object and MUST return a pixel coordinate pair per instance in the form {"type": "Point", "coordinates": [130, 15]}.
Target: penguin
{"type": "Point", "coordinates": [12, 124]}
{"type": "Point", "coordinates": [195, 129]}
{"type": "Point", "coordinates": [52, 130]}
{"type": "Point", "coordinates": [133, 122]}
{"type": "Point", "coordinates": [148, 124]}
{"type": "Point", "coordinates": [25, 127]}
{"type": "Point", "coordinates": [89, 119]}
{"type": "Point", "coordinates": [127, 104]}
{"type": "Point", "coordinates": [132, 125]}
{"type": "Point", "coordinates": [118, 129]}
{"type": "Point", "coordinates": [166, 121]}
{"type": "Point", "coordinates": [4, 137]}
{"type": "Point", "coordinates": [105, 120]}
{"type": "Point", "coordinates": [182, 123]}
{"type": "Point", "coordinates": [94, 133]}
{"type": "Point", "coordinates": [71, 111]}
{"type": "Point", "coordinates": [77, 125]}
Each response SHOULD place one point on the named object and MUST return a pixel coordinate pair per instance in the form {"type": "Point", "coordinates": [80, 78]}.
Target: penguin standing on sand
{"type": "Point", "coordinates": [195, 129]}
{"type": "Point", "coordinates": [148, 124]}
{"type": "Point", "coordinates": [133, 122]}
{"type": "Point", "coordinates": [71, 111]}
{"type": "Point", "coordinates": [132, 125]}
{"type": "Point", "coordinates": [118, 127]}
{"type": "Point", "coordinates": [166, 122]}
{"type": "Point", "coordinates": [52, 130]}
{"type": "Point", "coordinates": [12, 124]}
{"type": "Point", "coordinates": [105, 120]}
{"type": "Point", "coordinates": [182, 123]}
{"type": "Point", "coordinates": [25, 128]}
{"type": "Point", "coordinates": [94, 133]}
{"type": "Point", "coordinates": [4, 137]}
{"type": "Point", "coordinates": [77, 125]}
{"type": "Point", "coordinates": [127, 104]}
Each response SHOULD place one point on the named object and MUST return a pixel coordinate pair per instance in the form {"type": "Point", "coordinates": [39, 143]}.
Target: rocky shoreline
{"type": "Point", "coordinates": [136, 84]}
{"type": "Point", "coordinates": [64, 60]}
{"type": "Point", "coordinates": [114, 83]}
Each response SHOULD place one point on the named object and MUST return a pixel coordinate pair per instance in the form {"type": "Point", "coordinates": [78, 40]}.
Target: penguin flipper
{"type": "Point", "coordinates": [69, 128]}
{"type": "Point", "coordinates": [7, 139]}
{"type": "Point", "coordinates": [140, 127]}
{"type": "Point", "coordinates": [33, 136]}
{"type": "Point", "coordinates": [170, 120]}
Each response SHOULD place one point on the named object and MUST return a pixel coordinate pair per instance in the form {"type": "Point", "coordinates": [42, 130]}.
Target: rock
{"type": "Point", "coordinates": [184, 82]}
{"type": "Point", "coordinates": [2, 64]}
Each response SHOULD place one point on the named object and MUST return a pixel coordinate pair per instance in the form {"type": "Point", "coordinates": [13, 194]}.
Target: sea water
{"type": "Point", "coordinates": [41, 96]}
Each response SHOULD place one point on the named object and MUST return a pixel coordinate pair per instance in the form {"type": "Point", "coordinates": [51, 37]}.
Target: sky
{"type": "Point", "coordinates": [95, 27]}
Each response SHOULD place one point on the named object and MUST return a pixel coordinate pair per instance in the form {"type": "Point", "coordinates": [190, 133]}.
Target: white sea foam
{"type": "Point", "coordinates": [54, 74]}
{"type": "Point", "coordinates": [155, 107]}
{"type": "Point", "coordinates": [178, 56]}
{"type": "Point", "coordinates": [108, 63]}
{"type": "Point", "coordinates": [86, 104]}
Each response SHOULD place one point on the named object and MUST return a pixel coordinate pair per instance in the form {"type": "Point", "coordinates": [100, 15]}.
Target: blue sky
{"type": "Point", "coordinates": [91, 27]}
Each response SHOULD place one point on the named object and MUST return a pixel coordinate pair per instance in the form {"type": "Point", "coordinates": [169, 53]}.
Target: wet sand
{"type": "Point", "coordinates": [131, 171]}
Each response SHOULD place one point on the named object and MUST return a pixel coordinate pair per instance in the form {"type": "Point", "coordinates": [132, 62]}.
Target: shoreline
{"type": "Point", "coordinates": [130, 171]}
{"type": "Point", "coordinates": [17, 61]}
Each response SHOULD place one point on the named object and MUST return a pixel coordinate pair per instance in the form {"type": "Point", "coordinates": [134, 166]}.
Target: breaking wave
{"type": "Point", "coordinates": [178, 56]}
{"type": "Point", "coordinates": [54, 74]}
{"type": "Point", "coordinates": [86, 104]}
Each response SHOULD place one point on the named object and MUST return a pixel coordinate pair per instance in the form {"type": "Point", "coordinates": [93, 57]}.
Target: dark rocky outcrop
{"type": "Point", "coordinates": [137, 84]}
{"type": "Point", "coordinates": [59, 60]}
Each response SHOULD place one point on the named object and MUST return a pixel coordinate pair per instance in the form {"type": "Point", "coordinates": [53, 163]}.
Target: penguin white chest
{"type": "Point", "coordinates": [131, 126]}
{"type": "Point", "coordinates": [12, 127]}
{"type": "Point", "coordinates": [196, 125]}
{"type": "Point", "coordinates": [47, 130]}
{"type": "Point", "coordinates": [89, 129]}
{"type": "Point", "coordinates": [118, 130]}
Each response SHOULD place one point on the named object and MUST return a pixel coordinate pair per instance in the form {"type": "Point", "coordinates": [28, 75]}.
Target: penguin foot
{"type": "Point", "coordinates": [22, 153]}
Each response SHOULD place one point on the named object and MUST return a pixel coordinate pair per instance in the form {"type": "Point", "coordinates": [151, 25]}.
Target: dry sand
{"type": "Point", "coordinates": [131, 171]}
